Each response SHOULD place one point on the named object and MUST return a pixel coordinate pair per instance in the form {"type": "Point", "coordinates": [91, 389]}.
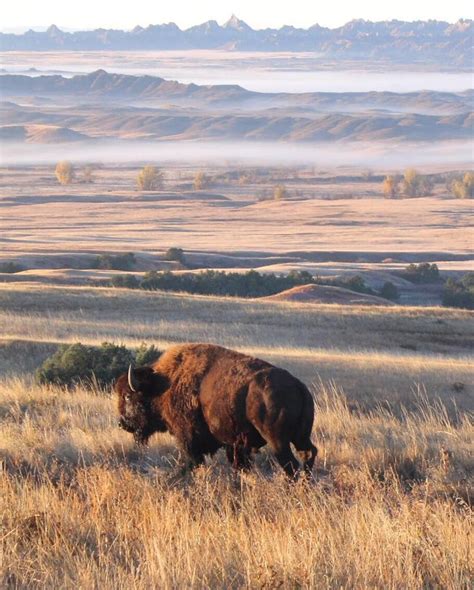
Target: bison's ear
{"type": "Point", "coordinates": [160, 383]}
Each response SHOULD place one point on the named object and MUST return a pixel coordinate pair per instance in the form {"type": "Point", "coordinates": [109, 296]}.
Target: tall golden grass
{"type": "Point", "coordinates": [80, 507]}
{"type": "Point", "coordinates": [391, 504]}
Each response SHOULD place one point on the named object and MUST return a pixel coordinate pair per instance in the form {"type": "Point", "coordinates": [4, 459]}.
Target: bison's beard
{"type": "Point", "coordinates": [139, 431]}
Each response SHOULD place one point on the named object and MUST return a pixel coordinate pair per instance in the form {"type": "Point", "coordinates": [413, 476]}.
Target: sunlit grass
{"type": "Point", "coordinates": [81, 507]}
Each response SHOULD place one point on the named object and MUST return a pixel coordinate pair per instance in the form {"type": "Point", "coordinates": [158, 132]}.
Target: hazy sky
{"type": "Point", "coordinates": [89, 14]}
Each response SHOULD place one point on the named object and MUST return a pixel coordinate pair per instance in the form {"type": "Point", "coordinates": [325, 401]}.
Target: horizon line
{"type": "Point", "coordinates": [22, 29]}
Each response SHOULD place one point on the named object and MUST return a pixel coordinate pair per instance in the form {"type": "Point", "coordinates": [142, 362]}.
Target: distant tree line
{"type": "Point", "coordinates": [414, 184]}
{"type": "Point", "coordinates": [247, 284]}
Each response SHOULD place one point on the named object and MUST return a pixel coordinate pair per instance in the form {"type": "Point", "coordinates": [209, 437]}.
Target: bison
{"type": "Point", "coordinates": [210, 397]}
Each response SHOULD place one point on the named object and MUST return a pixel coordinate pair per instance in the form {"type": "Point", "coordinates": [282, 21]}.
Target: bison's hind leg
{"type": "Point", "coordinates": [285, 457]}
{"type": "Point", "coordinates": [239, 454]}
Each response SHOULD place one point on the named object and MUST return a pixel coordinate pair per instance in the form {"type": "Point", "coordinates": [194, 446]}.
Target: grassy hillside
{"type": "Point", "coordinates": [392, 501]}
{"type": "Point", "coordinates": [374, 353]}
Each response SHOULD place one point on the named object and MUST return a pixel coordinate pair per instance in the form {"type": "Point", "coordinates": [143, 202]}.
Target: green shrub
{"type": "Point", "coordinates": [355, 283]}
{"type": "Point", "coordinates": [78, 363]}
{"type": "Point", "coordinates": [125, 281]}
{"type": "Point", "coordinates": [422, 273]}
{"type": "Point", "coordinates": [389, 291]}
{"type": "Point", "coordinates": [115, 261]}
{"type": "Point", "coordinates": [175, 255]}
{"type": "Point", "coordinates": [459, 293]}
{"type": "Point", "coordinates": [146, 355]}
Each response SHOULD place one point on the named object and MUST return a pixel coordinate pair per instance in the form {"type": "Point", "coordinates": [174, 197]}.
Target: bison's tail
{"type": "Point", "coordinates": [302, 440]}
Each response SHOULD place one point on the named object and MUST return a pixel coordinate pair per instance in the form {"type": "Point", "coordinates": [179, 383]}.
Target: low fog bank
{"type": "Point", "coordinates": [385, 155]}
{"type": "Point", "coordinates": [255, 76]}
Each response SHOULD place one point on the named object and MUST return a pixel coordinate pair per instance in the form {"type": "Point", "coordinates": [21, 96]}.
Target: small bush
{"type": "Point", "coordinates": [459, 293]}
{"type": "Point", "coordinates": [88, 174]}
{"type": "Point", "coordinates": [463, 188]}
{"type": "Point", "coordinates": [422, 273]}
{"type": "Point", "coordinates": [149, 178]}
{"type": "Point", "coordinates": [415, 184]}
{"type": "Point", "coordinates": [11, 267]}
{"type": "Point", "coordinates": [280, 192]}
{"type": "Point", "coordinates": [201, 181]}
{"type": "Point", "coordinates": [78, 363]}
{"type": "Point", "coordinates": [146, 355]}
{"type": "Point", "coordinates": [125, 282]}
{"type": "Point", "coordinates": [389, 291]}
{"type": "Point", "coordinates": [390, 187]}
{"type": "Point", "coordinates": [115, 261]}
{"type": "Point", "coordinates": [175, 255]}
{"type": "Point", "coordinates": [355, 283]}
{"type": "Point", "coordinates": [65, 172]}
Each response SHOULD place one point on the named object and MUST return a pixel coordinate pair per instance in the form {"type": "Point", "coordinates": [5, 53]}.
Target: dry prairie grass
{"type": "Point", "coordinates": [391, 506]}
{"type": "Point", "coordinates": [81, 508]}
{"type": "Point", "coordinates": [111, 215]}
{"type": "Point", "coordinates": [369, 352]}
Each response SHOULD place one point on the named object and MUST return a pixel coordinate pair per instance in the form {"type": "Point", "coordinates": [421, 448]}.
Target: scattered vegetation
{"type": "Point", "coordinates": [389, 291]}
{"type": "Point", "coordinates": [413, 184]}
{"type": "Point", "coordinates": [280, 192]}
{"type": "Point", "coordinates": [463, 188]}
{"type": "Point", "coordinates": [390, 187]}
{"type": "Point", "coordinates": [459, 293]}
{"type": "Point", "coordinates": [422, 273]}
{"type": "Point", "coordinates": [65, 172]}
{"type": "Point", "coordinates": [125, 282]}
{"type": "Point", "coordinates": [416, 185]}
{"type": "Point", "coordinates": [355, 283]}
{"type": "Point", "coordinates": [175, 255]}
{"type": "Point", "coordinates": [88, 174]}
{"type": "Point", "coordinates": [201, 181]}
{"type": "Point", "coordinates": [150, 179]}
{"type": "Point", "coordinates": [77, 363]}
{"type": "Point", "coordinates": [125, 261]}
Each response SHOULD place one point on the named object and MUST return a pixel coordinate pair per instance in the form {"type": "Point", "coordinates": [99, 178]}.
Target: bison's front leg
{"type": "Point", "coordinates": [192, 455]}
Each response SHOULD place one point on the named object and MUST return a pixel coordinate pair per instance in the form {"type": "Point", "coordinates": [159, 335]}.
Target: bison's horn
{"type": "Point", "coordinates": [132, 382]}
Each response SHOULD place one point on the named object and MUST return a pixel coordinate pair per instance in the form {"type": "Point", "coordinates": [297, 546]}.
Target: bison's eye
{"type": "Point", "coordinates": [128, 397]}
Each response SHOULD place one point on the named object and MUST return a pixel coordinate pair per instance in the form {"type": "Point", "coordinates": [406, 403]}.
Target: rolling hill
{"type": "Point", "coordinates": [188, 111]}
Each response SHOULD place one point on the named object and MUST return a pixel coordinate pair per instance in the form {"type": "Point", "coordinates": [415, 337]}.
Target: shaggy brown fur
{"type": "Point", "coordinates": [209, 397]}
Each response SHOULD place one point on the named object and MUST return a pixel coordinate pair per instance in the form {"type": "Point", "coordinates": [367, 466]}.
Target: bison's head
{"type": "Point", "coordinates": [137, 391]}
